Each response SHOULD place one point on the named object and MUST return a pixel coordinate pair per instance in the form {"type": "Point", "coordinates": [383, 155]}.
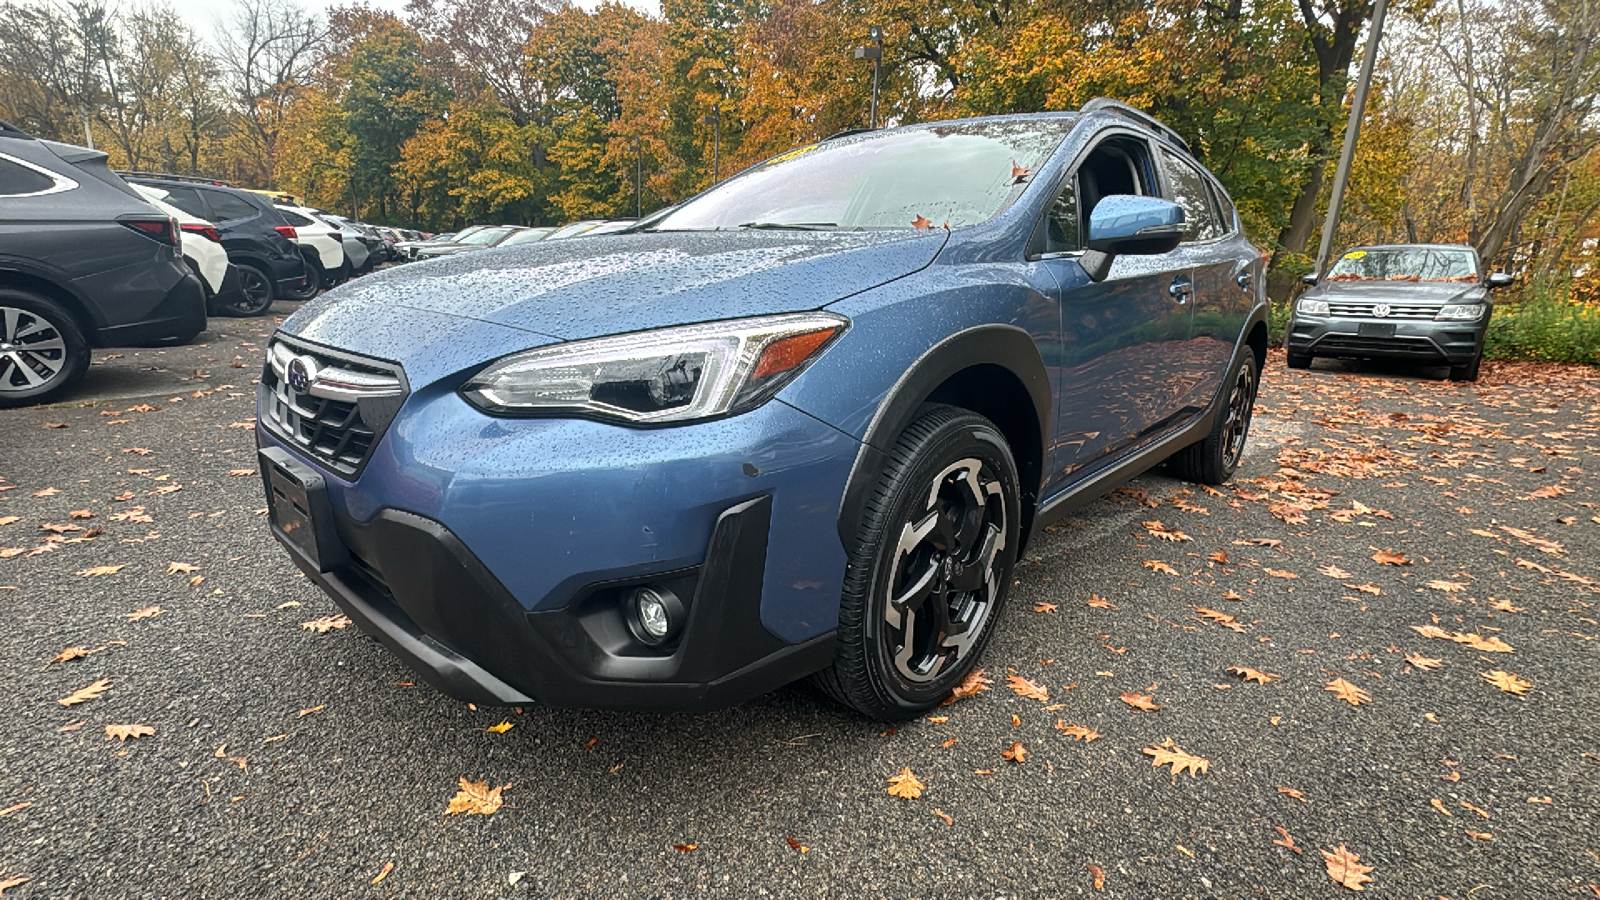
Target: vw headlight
{"type": "Point", "coordinates": [1314, 307]}
{"type": "Point", "coordinates": [655, 377]}
{"type": "Point", "coordinates": [1459, 313]}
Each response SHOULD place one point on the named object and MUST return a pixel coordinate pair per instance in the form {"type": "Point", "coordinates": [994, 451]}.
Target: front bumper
{"type": "Point", "coordinates": [1418, 339]}
{"type": "Point", "coordinates": [502, 577]}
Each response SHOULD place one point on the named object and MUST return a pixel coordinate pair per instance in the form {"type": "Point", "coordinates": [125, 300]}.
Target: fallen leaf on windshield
{"type": "Point", "coordinates": [905, 785]}
{"type": "Point", "coordinates": [1019, 174]}
{"type": "Point", "coordinates": [1346, 869]}
{"type": "Point", "coordinates": [921, 223]}
{"type": "Point", "coordinates": [475, 798]}
{"type": "Point", "coordinates": [84, 695]}
{"type": "Point", "coordinates": [123, 732]}
{"type": "Point", "coordinates": [1507, 682]}
{"type": "Point", "coordinates": [1348, 692]}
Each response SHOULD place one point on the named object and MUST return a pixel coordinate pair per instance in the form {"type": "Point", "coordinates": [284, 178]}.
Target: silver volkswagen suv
{"type": "Point", "coordinates": [1427, 302]}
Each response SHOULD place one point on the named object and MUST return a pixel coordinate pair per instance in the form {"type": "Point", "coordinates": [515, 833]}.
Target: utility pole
{"type": "Point", "coordinates": [88, 136]}
{"type": "Point", "coordinates": [638, 178]}
{"type": "Point", "coordinates": [874, 53]}
{"type": "Point", "coordinates": [1352, 133]}
{"type": "Point", "coordinates": [716, 146]}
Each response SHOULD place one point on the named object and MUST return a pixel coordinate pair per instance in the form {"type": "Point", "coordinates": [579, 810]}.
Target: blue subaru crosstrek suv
{"type": "Point", "coordinates": [801, 424]}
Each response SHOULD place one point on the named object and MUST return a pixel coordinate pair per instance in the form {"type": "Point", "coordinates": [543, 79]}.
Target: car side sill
{"type": "Point", "coordinates": [1116, 474]}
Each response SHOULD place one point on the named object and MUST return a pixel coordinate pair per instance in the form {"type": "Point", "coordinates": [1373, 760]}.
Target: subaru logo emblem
{"type": "Point", "coordinates": [1381, 310]}
{"type": "Point", "coordinates": [302, 374]}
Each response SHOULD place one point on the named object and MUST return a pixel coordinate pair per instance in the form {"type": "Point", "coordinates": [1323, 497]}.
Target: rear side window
{"type": "Point", "coordinates": [226, 207]}
{"type": "Point", "coordinates": [1225, 211]}
{"type": "Point", "coordinates": [1190, 191]}
{"type": "Point", "coordinates": [188, 200]}
{"type": "Point", "coordinates": [294, 218]}
{"type": "Point", "coordinates": [19, 179]}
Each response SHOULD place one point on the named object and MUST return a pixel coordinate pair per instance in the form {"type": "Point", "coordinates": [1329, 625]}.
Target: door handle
{"type": "Point", "coordinates": [1180, 289]}
{"type": "Point", "coordinates": [1244, 280]}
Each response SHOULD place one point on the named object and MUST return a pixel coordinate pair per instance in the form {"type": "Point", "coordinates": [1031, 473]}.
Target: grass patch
{"type": "Point", "coordinates": [1545, 323]}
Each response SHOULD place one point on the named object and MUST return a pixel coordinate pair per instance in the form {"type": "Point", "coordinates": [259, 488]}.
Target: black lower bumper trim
{"type": "Point", "coordinates": [412, 584]}
{"type": "Point", "coordinates": [180, 314]}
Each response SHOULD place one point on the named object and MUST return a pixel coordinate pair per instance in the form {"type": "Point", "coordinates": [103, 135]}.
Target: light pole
{"type": "Point", "coordinates": [874, 53]}
{"type": "Point", "coordinates": [1352, 133]}
{"type": "Point", "coordinates": [638, 178]}
{"type": "Point", "coordinates": [716, 145]}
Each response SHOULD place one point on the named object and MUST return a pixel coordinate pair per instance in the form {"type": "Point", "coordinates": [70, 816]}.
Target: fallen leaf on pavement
{"type": "Point", "coordinates": [97, 571]}
{"type": "Point", "coordinates": [1076, 732]}
{"type": "Point", "coordinates": [501, 727]}
{"type": "Point", "coordinates": [1099, 602]}
{"type": "Point", "coordinates": [7, 882]}
{"type": "Point", "coordinates": [1144, 702]}
{"type": "Point", "coordinates": [123, 732]}
{"type": "Point", "coordinates": [1099, 876]}
{"type": "Point", "coordinates": [796, 844]}
{"type": "Point", "coordinates": [974, 683]}
{"type": "Point", "coordinates": [1507, 682]}
{"type": "Point", "coordinates": [905, 785]}
{"type": "Point", "coordinates": [177, 568]}
{"type": "Point", "coordinates": [685, 848]}
{"type": "Point", "coordinates": [1159, 566]}
{"type": "Point", "coordinates": [1249, 674]}
{"type": "Point", "coordinates": [1016, 752]}
{"type": "Point", "coordinates": [945, 816]}
{"type": "Point", "coordinates": [1158, 530]}
{"type": "Point", "coordinates": [1438, 804]}
{"type": "Point", "coordinates": [84, 695]}
{"type": "Point", "coordinates": [1423, 662]}
{"type": "Point", "coordinates": [1333, 571]}
{"type": "Point", "coordinates": [1170, 754]}
{"type": "Point", "coordinates": [383, 872]}
{"type": "Point", "coordinates": [326, 623]}
{"type": "Point", "coordinates": [1291, 792]}
{"type": "Point", "coordinates": [1348, 692]}
{"type": "Point", "coordinates": [1390, 558]}
{"type": "Point", "coordinates": [1043, 607]}
{"type": "Point", "coordinates": [1345, 868]}
{"type": "Point", "coordinates": [69, 654]}
{"type": "Point", "coordinates": [1286, 840]}
{"type": "Point", "coordinates": [475, 798]}
{"type": "Point", "coordinates": [1027, 688]}
{"type": "Point", "coordinates": [1220, 618]}
{"type": "Point", "coordinates": [1449, 587]}
{"type": "Point", "coordinates": [149, 612]}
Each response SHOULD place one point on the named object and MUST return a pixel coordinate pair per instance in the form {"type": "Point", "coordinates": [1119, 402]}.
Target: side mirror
{"type": "Point", "coordinates": [1501, 279]}
{"type": "Point", "coordinates": [1125, 224]}
{"type": "Point", "coordinates": [1309, 278]}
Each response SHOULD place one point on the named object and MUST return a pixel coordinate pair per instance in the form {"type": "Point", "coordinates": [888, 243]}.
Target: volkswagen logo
{"type": "Point", "coordinates": [301, 374]}
{"type": "Point", "coordinates": [1381, 310]}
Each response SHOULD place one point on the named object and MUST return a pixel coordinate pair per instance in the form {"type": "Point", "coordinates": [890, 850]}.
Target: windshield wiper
{"type": "Point", "coordinates": [791, 226]}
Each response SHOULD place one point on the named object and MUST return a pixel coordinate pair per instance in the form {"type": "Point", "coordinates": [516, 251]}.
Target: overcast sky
{"type": "Point", "coordinates": [205, 15]}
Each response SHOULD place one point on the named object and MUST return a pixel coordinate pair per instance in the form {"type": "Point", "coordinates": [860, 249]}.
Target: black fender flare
{"type": "Point", "coordinates": [1004, 346]}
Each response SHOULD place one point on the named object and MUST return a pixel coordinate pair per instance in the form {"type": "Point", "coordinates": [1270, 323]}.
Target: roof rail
{"type": "Point", "coordinates": [1104, 104]}
{"type": "Point", "coordinates": [193, 179]}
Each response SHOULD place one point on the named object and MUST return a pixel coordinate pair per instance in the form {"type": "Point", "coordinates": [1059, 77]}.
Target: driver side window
{"type": "Point", "coordinates": [1117, 165]}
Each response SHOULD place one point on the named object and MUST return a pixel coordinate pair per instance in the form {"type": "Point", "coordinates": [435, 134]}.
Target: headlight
{"type": "Point", "coordinates": [1462, 313]}
{"type": "Point", "coordinates": [653, 377]}
{"type": "Point", "coordinates": [1314, 307]}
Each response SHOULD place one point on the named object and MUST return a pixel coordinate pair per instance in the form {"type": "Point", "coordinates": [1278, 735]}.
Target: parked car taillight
{"type": "Point", "coordinates": [336, 235]}
{"type": "Point", "coordinates": [287, 231]}
{"type": "Point", "coordinates": [164, 230]}
{"type": "Point", "coordinates": [206, 231]}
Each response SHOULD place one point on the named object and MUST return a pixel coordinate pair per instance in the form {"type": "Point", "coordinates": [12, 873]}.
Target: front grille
{"type": "Point", "coordinates": [1396, 311]}
{"type": "Point", "coordinates": [347, 403]}
{"type": "Point", "coordinates": [1334, 344]}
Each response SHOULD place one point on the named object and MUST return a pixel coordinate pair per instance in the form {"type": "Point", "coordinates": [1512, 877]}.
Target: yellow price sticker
{"type": "Point", "coordinates": [796, 152]}
{"type": "Point", "coordinates": [1355, 254]}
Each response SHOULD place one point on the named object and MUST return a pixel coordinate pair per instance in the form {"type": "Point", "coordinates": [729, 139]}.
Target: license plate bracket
{"type": "Point", "coordinates": [1376, 329]}
{"type": "Point", "coordinates": [298, 508]}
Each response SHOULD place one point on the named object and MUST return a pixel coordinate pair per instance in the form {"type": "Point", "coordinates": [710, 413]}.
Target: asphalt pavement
{"type": "Point", "coordinates": [1380, 514]}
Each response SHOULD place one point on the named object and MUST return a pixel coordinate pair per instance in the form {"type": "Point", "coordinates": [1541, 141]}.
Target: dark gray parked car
{"type": "Point", "coordinates": [1427, 302]}
{"type": "Point", "coordinates": [84, 262]}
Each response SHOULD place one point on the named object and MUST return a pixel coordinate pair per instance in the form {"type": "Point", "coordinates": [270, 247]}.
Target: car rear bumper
{"type": "Point", "coordinates": [180, 313]}
{"type": "Point", "coordinates": [517, 591]}
{"type": "Point", "coordinates": [1449, 342]}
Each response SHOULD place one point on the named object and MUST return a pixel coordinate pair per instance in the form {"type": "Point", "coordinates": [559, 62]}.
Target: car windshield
{"type": "Point", "coordinates": [937, 176]}
{"type": "Point", "coordinates": [525, 237]}
{"type": "Point", "coordinates": [485, 237]}
{"type": "Point", "coordinates": [1405, 264]}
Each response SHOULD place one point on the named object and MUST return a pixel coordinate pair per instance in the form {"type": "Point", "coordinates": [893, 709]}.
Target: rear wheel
{"type": "Point", "coordinates": [931, 568]}
{"type": "Point", "coordinates": [1213, 460]}
{"type": "Point", "coordinates": [255, 293]}
{"type": "Point", "coordinates": [42, 352]}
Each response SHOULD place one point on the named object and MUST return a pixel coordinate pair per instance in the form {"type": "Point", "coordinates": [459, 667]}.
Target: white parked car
{"type": "Point", "coordinates": [203, 251]}
{"type": "Point", "coordinates": [325, 244]}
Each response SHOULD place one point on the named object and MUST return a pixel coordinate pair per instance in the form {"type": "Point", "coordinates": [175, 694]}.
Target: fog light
{"type": "Point", "coordinates": [654, 614]}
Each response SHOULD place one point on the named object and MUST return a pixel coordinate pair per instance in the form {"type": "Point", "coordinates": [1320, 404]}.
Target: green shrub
{"type": "Point", "coordinates": [1545, 324]}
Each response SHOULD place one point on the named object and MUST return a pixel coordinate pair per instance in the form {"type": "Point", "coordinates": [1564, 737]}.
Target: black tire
{"type": "Point", "coordinates": [1299, 360]}
{"type": "Point", "coordinates": [42, 350]}
{"type": "Point", "coordinates": [1467, 371]}
{"type": "Point", "coordinates": [1213, 460]}
{"type": "Point", "coordinates": [314, 282]}
{"type": "Point", "coordinates": [255, 293]}
{"type": "Point", "coordinates": [941, 531]}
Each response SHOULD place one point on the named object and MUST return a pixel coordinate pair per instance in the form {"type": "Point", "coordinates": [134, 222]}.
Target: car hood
{"type": "Point", "coordinates": [533, 294]}
{"type": "Point", "coordinates": [1420, 292]}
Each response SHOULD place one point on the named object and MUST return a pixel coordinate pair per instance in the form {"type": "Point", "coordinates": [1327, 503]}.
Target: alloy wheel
{"type": "Point", "coordinates": [1236, 421]}
{"type": "Point", "coordinates": [256, 289]}
{"type": "Point", "coordinates": [33, 351]}
{"type": "Point", "coordinates": [943, 585]}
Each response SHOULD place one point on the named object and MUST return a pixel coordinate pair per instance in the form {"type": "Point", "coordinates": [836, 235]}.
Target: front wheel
{"type": "Point", "coordinates": [1213, 460]}
{"type": "Point", "coordinates": [1467, 371]}
{"type": "Point", "coordinates": [931, 566]}
{"type": "Point", "coordinates": [42, 352]}
{"type": "Point", "coordinates": [1299, 360]}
